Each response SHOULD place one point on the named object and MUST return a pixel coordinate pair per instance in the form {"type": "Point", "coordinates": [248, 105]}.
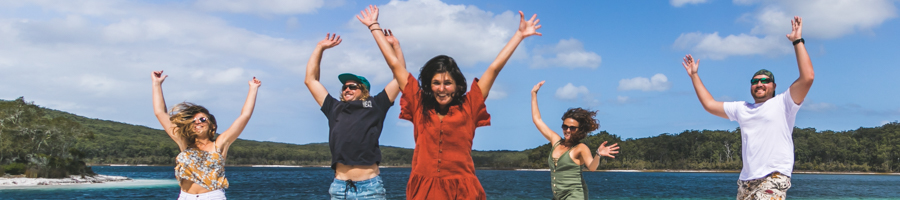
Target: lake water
{"type": "Point", "coordinates": [312, 183]}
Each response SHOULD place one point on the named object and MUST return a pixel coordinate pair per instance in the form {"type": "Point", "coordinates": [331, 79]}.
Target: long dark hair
{"type": "Point", "coordinates": [440, 64]}
{"type": "Point", "coordinates": [586, 124]}
{"type": "Point", "coordinates": [182, 115]}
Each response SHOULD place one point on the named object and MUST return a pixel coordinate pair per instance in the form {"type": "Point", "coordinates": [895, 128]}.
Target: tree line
{"type": "Point", "coordinates": [32, 137]}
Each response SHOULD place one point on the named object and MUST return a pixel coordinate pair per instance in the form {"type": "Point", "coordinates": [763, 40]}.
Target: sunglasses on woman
{"type": "Point", "coordinates": [201, 120]}
{"type": "Point", "coordinates": [565, 128]}
{"type": "Point", "coordinates": [351, 86]}
{"type": "Point", "coordinates": [763, 80]}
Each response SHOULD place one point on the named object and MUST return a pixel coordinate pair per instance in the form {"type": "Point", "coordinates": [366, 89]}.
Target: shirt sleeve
{"type": "Point", "coordinates": [731, 109]}
{"type": "Point", "coordinates": [475, 102]}
{"type": "Point", "coordinates": [382, 101]}
{"type": "Point", "coordinates": [328, 105]}
{"type": "Point", "coordinates": [789, 104]}
{"type": "Point", "coordinates": [410, 100]}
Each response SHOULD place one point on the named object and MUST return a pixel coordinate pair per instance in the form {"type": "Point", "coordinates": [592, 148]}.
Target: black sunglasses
{"type": "Point", "coordinates": [763, 80]}
{"type": "Point", "coordinates": [351, 86]}
{"type": "Point", "coordinates": [201, 119]}
{"type": "Point", "coordinates": [574, 128]}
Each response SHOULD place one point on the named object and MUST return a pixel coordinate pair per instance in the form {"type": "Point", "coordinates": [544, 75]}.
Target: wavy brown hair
{"type": "Point", "coordinates": [586, 124]}
{"type": "Point", "coordinates": [440, 64]}
{"type": "Point", "coordinates": [182, 116]}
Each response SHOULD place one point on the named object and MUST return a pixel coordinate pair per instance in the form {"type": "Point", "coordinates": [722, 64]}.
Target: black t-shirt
{"type": "Point", "coordinates": [354, 128]}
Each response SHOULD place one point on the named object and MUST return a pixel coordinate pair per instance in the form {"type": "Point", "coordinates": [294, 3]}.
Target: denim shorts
{"type": "Point", "coordinates": [366, 189]}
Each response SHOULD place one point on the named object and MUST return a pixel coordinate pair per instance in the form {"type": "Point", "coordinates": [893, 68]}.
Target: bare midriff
{"type": "Point", "coordinates": [191, 187]}
{"type": "Point", "coordinates": [355, 172]}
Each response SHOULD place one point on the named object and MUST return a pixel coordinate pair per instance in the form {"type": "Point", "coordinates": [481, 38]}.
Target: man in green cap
{"type": "Point", "coordinates": [767, 147]}
{"type": "Point", "coordinates": [354, 126]}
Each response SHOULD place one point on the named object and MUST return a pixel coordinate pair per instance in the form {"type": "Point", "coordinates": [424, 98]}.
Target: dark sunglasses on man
{"type": "Point", "coordinates": [763, 80]}
{"type": "Point", "coordinates": [352, 86]}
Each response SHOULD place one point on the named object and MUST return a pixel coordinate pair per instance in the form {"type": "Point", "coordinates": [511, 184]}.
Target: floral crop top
{"type": "Point", "coordinates": [201, 167]}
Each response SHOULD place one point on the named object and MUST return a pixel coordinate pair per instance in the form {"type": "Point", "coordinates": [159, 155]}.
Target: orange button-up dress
{"type": "Point", "coordinates": [442, 166]}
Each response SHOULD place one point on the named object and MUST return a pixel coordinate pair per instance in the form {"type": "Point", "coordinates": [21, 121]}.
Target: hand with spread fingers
{"type": "Point", "coordinates": [331, 40]}
{"type": "Point", "coordinates": [529, 27]}
{"type": "Point", "coordinates": [369, 16]}
{"type": "Point", "coordinates": [607, 151]}
{"type": "Point", "coordinates": [691, 65]}
{"type": "Point", "coordinates": [796, 29]}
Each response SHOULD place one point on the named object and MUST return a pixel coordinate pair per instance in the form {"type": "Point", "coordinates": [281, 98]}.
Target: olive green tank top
{"type": "Point", "coordinates": [565, 177]}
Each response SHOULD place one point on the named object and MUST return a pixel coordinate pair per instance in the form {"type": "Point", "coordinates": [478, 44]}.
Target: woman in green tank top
{"type": "Point", "coordinates": [569, 154]}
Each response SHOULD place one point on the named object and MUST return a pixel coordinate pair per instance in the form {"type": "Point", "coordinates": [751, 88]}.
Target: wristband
{"type": "Point", "coordinates": [370, 25]}
{"type": "Point", "coordinates": [370, 30]}
{"type": "Point", "coordinates": [799, 41]}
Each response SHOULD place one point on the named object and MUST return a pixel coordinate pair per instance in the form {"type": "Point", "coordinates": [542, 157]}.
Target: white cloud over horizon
{"type": "Point", "coordinates": [571, 92]}
{"type": "Point", "coordinates": [658, 82]}
{"type": "Point", "coordinates": [568, 53]}
{"type": "Point", "coordinates": [822, 19]}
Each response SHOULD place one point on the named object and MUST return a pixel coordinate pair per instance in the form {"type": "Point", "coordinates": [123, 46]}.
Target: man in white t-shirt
{"type": "Point", "coordinates": [767, 147]}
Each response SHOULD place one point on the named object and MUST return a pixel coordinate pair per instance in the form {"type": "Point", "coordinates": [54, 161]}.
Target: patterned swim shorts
{"type": "Point", "coordinates": [773, 186]}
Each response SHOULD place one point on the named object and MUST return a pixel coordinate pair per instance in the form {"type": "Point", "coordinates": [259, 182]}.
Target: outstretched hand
{"type": "Point", "coordinates": [389, 36]}
{"type": "Point", "coordinates": [369, 16]}
{"type": "Point", "coordinates": [528, 28]}
{"type": "Point", "coordinates": [255, 83]}
{"type": "Point", "coordinates": [691, 65]}
{"type": "Point", "coordinates": [537, 87]}
{"type": "Point", "coordinates": [157, 77]}
{"type": "Point", "coordinates": [331, 40]}
{"type": "Point", "coordinates": [607, 151]}
{"type": "Point", "coordinates": [796, 29]}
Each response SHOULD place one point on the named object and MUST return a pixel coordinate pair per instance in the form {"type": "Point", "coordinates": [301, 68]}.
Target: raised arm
{"type": "Point", "coordinates": [229, 136]}
{"type": "Point", "coordinates": [594, 161]}
{"type": "Point", "coordinates": [312, 67]}
{"type": "Point", "coordinates": [717, 108]}
{"type": "Point", "coordinates": [801, 86]}
{"type": "Point", "coordinates": [526, 28]}
{"type": "Point", "coordinates": [536, 116]}
{"type": "Point", "coordinates": [159, 107]}
{"type": "Point", "coordinates": [369, 18]}
{"type": "Point", "coordinates": [393, 88]}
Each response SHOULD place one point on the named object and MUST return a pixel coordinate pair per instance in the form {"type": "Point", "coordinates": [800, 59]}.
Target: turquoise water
{"type": "Point", "coordinates": [313, 182]}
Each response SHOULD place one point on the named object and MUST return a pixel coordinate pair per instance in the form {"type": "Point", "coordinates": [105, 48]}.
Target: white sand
{"type": "Point", "coordinates": [74, 179]}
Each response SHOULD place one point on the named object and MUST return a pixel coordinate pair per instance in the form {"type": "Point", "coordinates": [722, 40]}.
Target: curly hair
{"type": "Point", "coordinates": [586, 124]}
{"type": "Point", "coordinates": [182, 116]}
{"type": "Point", "coordinates": [440, 64]}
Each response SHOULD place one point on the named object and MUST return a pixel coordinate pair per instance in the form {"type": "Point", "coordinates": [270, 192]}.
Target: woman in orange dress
{"type": "Point", "coordinates": [444, 115]}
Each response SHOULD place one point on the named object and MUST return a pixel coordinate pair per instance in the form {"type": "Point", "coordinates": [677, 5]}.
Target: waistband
{"type": "Point", "coordinates": [215, 194]}
{"type": "Point", "coordinates": [371, 180]}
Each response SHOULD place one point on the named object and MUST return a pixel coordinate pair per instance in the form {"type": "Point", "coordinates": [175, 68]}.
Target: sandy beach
{"type": "Point", "coordinates": [74, 179]}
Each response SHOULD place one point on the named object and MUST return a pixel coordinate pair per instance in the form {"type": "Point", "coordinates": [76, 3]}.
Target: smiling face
{"type": "Point", "coordinates": [444, 88]}
{"type": "Point", "coordinates": [201, 124]}
{"type": "Point", "coordinates": [570, 126]}
{"type": "Point", "coordinates": [351, 91]}
{"type": "Point", "coordinates": [762, 91]}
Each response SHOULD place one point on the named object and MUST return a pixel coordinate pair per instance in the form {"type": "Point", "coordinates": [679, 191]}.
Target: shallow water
{"type": "Point", "coordinates": [312, 183]}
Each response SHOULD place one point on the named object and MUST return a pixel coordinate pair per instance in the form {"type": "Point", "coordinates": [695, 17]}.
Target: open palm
{"type": "Point", "coordinates": [529, 27]}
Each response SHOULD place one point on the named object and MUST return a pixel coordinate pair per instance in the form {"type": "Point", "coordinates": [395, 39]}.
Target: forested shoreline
{"type": "Point", "coordinates": [102, 142]}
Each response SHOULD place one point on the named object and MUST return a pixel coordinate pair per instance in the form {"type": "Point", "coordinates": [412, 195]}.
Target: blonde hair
{"type": "Point", "coordinates": [363, 93]}
{"type": "Point", "coordinates": [182, 116]}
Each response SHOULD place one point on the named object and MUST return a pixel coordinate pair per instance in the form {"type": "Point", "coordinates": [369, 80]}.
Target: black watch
{"type": "Point", "coordinates": [799, 41]}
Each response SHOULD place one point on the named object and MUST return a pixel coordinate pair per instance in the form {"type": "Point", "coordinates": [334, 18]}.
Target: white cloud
{"type": "Point", "coordinates": [821, 18]}
{"type": "Point", "coordinates": [567, 53]}
{"type": "Point", "coordinates": [284, 7]}
{"type": "Point", "coordinates": [466, 33]}
{"type": "Point", "coordinates": [622, 99]}
{"type": "Point", "coordinates": [825, 19]}
{"type": "Point", "coordinates": [496, 94]}
{"type": "Point", "coordinates": [657, 82]}
{"type": "Point", "coordinates": [679, 3]}
{"type": "Point", "coordinates": [819, 107]}
{"type": "Point", "coordinates": [571, 92]}
{"type": "Point", "coordinates": [715, 47]}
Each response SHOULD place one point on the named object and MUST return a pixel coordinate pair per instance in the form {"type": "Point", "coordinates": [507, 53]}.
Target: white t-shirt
{"type": "Point", "coordinates": [766, 142]}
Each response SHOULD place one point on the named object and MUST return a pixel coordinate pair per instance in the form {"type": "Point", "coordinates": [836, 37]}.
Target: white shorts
{"type": "Point", "coordinates": [215, 194]}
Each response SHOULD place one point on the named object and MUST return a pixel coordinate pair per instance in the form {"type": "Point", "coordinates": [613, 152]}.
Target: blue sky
{"type": "Point", "coordinates": [622, 58]}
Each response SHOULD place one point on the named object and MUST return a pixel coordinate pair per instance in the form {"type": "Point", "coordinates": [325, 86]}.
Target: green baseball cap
{"type": "Point", "coordinates": [353, 77]}
{"type": "Point", "coordinates": [765, 72]}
